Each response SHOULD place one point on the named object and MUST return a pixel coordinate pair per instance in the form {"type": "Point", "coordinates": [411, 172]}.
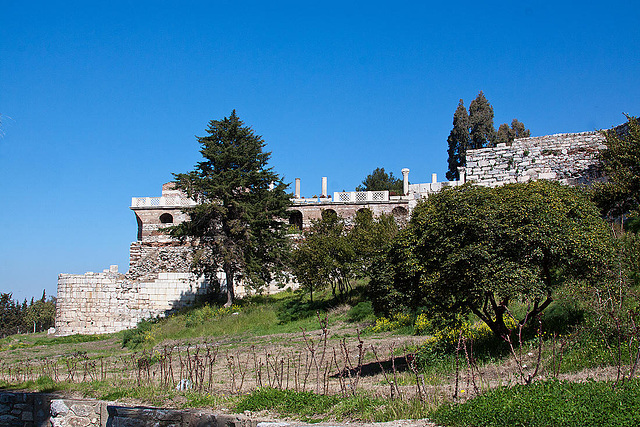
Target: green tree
{"type": "Point", "coordinates": [477, 250]}
{"type": "Point", "coordinates": [482, 132]}
{"type": "Point", "coordinates": [379, 180]}
{"type": "Point", "coordinates": [238, 225]}
{"type": "Point", "coordinates": [458, 140]}
{"type": "Point", "coordinates": [621, 164]}
{"type": "Point", "coordinates": [508, 134]}
{"type": "Point", "coordinates": [325, 256]}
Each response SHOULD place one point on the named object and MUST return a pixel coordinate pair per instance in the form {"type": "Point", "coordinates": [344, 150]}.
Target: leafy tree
{"type": "Point", "coordinates": [621, 164]}
{"type": "Point", "coordinates": [482, 132]}
{"type": "Point", "coordinates": [477, 250]}
{"type": "Point", "coordinates": [238, 226]}
{"type": "Point", "coordinates": [459, 140]}
{"type": "Point", "coordinates": [508, 134]}
{"type": "Point", "coordinates": [325, 256]}
{"type": "Point", "coordinates": [334, 254]}
{"type": "Point", "coordinates": [379, 180]}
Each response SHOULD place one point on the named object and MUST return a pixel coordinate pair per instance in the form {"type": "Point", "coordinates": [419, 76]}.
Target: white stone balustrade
{"type": "Point", "coordinates": [361, 196]}
{"type": "Point", "coordinates": [171, 201]}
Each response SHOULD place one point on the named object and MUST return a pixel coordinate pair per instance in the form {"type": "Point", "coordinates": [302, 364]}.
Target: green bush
{"type": "Point", "coordinates": [132, 338]}
{"type": "Point", "coordinates": [548, 403]}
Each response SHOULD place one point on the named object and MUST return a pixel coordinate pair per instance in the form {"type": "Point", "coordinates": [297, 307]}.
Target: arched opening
{"type": "Point", "coordinates": [166, 218]}
{"type": "Point", "coordinates": [399, 212]}
{"type": "Point", "coordinates": [329, 214]}
{"type": "Point", "coordinates": [295, 220]}
{"type": "Point", "coordinates": [139, 222]}
{"type": "Point", "coordinates": [363, 216]}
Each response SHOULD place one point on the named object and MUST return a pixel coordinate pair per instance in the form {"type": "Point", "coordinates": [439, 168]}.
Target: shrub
{"type": "Point", "coordinates": [397, 321]}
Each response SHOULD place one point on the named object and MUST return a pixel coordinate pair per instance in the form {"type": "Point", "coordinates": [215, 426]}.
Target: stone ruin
{"type": "Point", "coordinates": [158, 280]}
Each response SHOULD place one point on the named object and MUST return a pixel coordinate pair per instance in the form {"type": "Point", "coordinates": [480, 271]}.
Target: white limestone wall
{"type": "Point", "coordinates": [97, 303]}
{"type": "Point", "coordinates": [570, 158]}
{"type": "Point", "coordinates": [107, 302]}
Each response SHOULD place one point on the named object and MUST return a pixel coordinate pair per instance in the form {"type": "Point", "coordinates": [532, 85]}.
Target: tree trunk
{"type": "Point", "coordinates": [229, 273]}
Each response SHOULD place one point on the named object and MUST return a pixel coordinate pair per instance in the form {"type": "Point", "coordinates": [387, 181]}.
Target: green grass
{"type": "Point", "coordinates": [311, 407]}
{"type": "Point", "coordinates": [550, 403]}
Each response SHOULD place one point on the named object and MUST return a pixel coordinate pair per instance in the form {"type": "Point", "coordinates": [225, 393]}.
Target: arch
{"type": "Point", "coordinates": [364, 213]}
{"type": "Point", "coordinates": [295, 219]}
{"type": "Point", "coordinates": [399, 212]}
{"type": "Point", "coordinates": [166, 218]}
{"type": "Point", "coordinates": [139, 222]}
{"type": "Point", "coordinates": [328, 213]}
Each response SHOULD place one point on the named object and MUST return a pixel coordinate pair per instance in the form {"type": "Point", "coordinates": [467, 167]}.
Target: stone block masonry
{"type": "Point", "coordinates": [570, 158]}
{"type": "Point", "coordinates": [40, 409]}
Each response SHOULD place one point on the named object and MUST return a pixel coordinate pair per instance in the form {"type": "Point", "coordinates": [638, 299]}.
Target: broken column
{"type": "Point", "coordinates": [297, 191]}
{"type": "Point", "coordinates": [324, 186]}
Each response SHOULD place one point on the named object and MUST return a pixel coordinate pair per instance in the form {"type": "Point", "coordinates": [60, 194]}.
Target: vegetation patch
{"type": "Point", "coordinates": [550, 403]}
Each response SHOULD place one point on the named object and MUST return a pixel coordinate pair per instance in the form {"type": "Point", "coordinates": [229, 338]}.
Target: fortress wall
{"type": "Point", "coordinates": [94, 303]}
{"type": "Point", "coordinates": [98, 303]}
{"type": "Point", "coordinates": [570, 158]}
{"type": "Point", "coordinates": [147, 260]}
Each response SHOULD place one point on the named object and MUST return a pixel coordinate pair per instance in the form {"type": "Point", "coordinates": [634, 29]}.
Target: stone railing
{"type": "Point", "coordinates": [423, 190]}
{"type": "Point", "coordinates": [361, 196]}
{"type": "Point", "coordinates": [306, 200]}
{"type": "Point", "coordinates": [164, 202]}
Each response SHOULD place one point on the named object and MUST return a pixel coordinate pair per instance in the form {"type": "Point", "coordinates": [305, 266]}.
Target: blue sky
{"type": "Point", "coordinates": [101, 101]}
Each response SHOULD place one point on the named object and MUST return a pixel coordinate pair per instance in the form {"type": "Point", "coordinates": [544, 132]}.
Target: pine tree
{"type": "Point", "coordinates": [238, 225]}
{"type": "Point", "coordinates": [482, 132]}
{"type": "Point", "coordinates": [458, 140]}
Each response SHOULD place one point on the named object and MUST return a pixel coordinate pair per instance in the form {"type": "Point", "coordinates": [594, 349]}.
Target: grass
{"type": "Point", "coordinates": [311, 407]}
{"type": "Point", "coordinates": [549, 403]}
{"type": "Point", "coordinates": [268, 328]}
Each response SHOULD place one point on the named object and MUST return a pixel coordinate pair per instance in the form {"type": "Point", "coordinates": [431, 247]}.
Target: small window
{"type": "Point", "coordinates": [166, 218]}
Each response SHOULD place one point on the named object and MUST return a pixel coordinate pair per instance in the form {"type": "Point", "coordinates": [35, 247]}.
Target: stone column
{"type": "Point", "coordinates": [324, 186]}
{"type": "Point", "coordinates": [434, 178]}
{"type": "Point", "coordinates": [405, 181]}
{"type": "Point", "coordinates": [297, 193]}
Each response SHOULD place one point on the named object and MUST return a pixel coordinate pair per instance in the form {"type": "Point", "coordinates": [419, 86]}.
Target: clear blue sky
{"type": "Point", "coordinates": [101, 101]}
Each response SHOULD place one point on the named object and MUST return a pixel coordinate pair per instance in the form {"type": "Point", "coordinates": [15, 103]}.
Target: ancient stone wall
{"type": "Point", "coordinates": [40, 409]}
{"type": "Point", "coordinates": [146, 260]}
{"type": "Point", "coordinates": [570, 158]}
{"type": "Point", "coordinates": [97, 303]}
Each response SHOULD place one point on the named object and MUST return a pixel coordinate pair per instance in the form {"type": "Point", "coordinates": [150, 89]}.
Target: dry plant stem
{"type": "Point", "coordinates": [384, 372]}
{"type": "Point", "coordinates": [471, 365]}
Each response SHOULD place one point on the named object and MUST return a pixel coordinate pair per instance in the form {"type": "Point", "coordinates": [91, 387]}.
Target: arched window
{"type": "Point", "coordinates": [166, 218]}
{"type": "Point", "coordinates": [295, 219]}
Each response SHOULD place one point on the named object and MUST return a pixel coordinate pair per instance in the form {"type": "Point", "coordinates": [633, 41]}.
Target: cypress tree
{"type": "Point", "coordinates": [482, 132]}
{"type": "Point", "coordinates": [458, 140]}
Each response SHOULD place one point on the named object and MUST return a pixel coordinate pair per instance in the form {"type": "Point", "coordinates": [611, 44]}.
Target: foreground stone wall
{"type": "Point", "coordinates": [40, 409]}
{"type": "Point", "coordinates": [570, 158]}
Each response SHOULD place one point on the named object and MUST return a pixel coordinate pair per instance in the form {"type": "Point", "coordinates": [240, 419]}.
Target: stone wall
{"type": "Point", "coordinates": [40, 409]}
{"type": "Point", "coordinates": [570, 158]}
{"type": "Point", "coordinates": [97, 303]}
{"type": "Point", "coordinates": [147, 260]}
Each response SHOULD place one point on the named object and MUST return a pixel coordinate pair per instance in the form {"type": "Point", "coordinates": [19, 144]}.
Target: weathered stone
{"type": "Point", "coordinates": [58, 407]}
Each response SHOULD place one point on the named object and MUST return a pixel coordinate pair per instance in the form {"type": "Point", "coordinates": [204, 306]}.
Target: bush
{"type": "Point", "coordinates": [397, 321]}
{"type": "Point", "coordinates": [548, 403]}
{"type": "Point", "coordinates": [132, 338]}
{"type": "Point", "coordinates": [445, 341]}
